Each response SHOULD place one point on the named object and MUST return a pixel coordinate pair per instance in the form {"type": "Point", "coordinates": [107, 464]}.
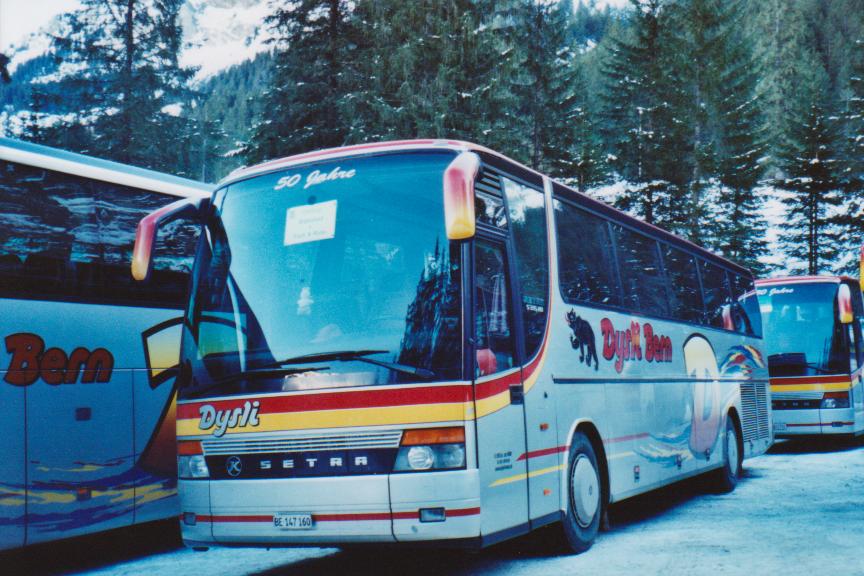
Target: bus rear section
{"type": "Point", "coordinates": [813, 339]}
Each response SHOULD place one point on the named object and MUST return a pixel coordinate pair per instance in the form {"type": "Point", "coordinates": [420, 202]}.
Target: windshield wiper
{"type": "Point", "coordinates": [356, 356]}
{"type": "Point", "coordinates": [265, 372]}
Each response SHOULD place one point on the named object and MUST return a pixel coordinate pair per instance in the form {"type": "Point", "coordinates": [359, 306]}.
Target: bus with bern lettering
{"type": "Point", "coordinates": [425, 341]}
{"type": "Point", "coordinates": [815, 356]}
{"type": "Point", "coordinates": [88, 356]}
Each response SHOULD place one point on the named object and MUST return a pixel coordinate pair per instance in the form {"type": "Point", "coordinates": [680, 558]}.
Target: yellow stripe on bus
{"type": "Point", "coordinates": [375, 416]}
{"type": "Point", "coordinates": [525, 476]}
{"type": "Point", "coordinates": [493, 403]}
{"type": "Point", "coordinates": [841, 387]}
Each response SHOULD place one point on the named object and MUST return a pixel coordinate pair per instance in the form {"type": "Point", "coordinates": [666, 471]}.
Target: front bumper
{"type": "Point", "coordinates": [349, 509]}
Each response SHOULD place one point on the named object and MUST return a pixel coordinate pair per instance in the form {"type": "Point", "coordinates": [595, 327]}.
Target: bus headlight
{"type": "Point", "coordinates": [190, 460]}
{"type": "Point", "coordinates": [192, 467]}
{"type": "Point", "coordinates": [835, 400]}
{"type": "Point", "coordinates": [431, 449]}
{"type": "Point", "coordinates": [420, 457]}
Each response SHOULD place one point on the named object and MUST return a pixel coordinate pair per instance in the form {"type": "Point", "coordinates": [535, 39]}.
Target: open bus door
{"type": "Point", "coordinates": [497, 388]}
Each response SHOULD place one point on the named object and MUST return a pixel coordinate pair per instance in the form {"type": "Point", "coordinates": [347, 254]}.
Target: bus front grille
{"type": "Point", "coordinates": [304, 443]}
{"type": "Point", "coordinates": [754, 405]}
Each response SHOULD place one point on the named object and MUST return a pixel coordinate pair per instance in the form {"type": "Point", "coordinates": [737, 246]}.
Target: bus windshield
{"type": "Point", "coordinates": [327, 275]}
{"type": "Point", "coordinates": [802, 334]}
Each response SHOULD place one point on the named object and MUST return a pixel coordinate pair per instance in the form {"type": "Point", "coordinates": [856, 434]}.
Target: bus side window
{"type": "Point", "coordinates": [858, 309]}
{"type": "Point", "coordinates": [745, 306]}
{"type": "Point", "coordinates": [715, 292]}
{"type": "Point", "coordinates": [641, 273]}
{"type": "Point", "coordinates": [685, 298]}
{"type": "Point", "coordinates": [585, 260]}
{"type": "Point", "coordinates": [493, 336]}
{"type": "Point", "coordinates": [527, 210]}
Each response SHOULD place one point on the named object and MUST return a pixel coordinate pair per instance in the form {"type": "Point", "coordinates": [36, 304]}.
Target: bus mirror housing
{"type": "Point", "coordinates": [459, 196]}
{"type": "Point", "coordinates": [844, 304]}
{"type": "Point", "coordinates": [728, 322]}
{"type": "Point", "coordinates": [861, 268]}
{"type": "Point", "coordinates": [145, 235]}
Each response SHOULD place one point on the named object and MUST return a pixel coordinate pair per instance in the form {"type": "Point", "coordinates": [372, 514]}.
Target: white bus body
{"type": "Point", "coordinates": [373, 356]}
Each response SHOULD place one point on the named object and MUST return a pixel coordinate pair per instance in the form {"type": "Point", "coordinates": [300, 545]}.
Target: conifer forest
{"type": "Point", "coordinates": [738, 124]}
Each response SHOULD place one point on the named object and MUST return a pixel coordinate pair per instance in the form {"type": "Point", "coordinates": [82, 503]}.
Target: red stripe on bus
{"type": "Point", "coordinates": [793, 381]}
{"type": "Point", "coordinates": [829, 424]}
{"type": "Point", "coordinates": [341, 400]}
{"type": "Point", "coordinates": [495, 386]}
{"type": "Point", "coordinates": [626, 438]}
{"type": "Point", "coordinates": [347, 517]}
{"type": "Point", "coordinates": [543, 452]}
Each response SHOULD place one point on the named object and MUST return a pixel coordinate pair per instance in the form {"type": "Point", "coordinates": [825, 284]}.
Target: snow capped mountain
{"type": "Point", "coordinates": [217, 34]}
{"type": "Point", "coordinates": [221, 33]}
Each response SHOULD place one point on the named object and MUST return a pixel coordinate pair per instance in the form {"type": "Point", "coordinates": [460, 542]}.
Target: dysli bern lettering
{"type": "Point", "coordinates": [31, 361]}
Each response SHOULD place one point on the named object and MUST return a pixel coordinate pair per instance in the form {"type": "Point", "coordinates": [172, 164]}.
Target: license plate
{"type": "Point", "coordinates": [285, 521]}
{"type": "Point", "coordinates": [779, 426]}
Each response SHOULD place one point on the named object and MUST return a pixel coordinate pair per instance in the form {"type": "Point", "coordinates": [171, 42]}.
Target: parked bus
{"type": "Point", "coordinates": [88, 356]}
{"type": "Point", "coordinates": [427, 341]}
{"type": "Point", "coordinates": [813, 341]}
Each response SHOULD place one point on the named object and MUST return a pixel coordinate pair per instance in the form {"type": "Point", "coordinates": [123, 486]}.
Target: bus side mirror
{"type": "Point", "coordinates": [145, 235]}
{"type": "Point", "coordinates": [844, 304]}
{"type": "Point", "coordinates": [459, 196]}
{"type": "Point", "coordinates": [728, 321]}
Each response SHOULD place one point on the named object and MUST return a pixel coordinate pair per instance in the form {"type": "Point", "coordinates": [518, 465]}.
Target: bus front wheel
{"type": "Point", "coordinates": [585, 495]}
{"type": "Point", "coordinates": [726, 477]}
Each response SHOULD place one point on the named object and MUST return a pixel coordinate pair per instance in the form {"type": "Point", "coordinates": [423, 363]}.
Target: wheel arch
{"type": "Point", "coordinates": [591, 431]}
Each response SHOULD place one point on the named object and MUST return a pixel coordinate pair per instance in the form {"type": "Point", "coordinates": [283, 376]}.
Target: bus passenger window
{"type": "Point", "coordinates": [715, 292]}
{"type": "Point", "coordinates": [585, 259]}
{"type": "Point", "coordinates": [642, 277]}
{"type": "Point", "coordinates": [685, 298]}
{"type": "Point", "coordinates": [745, 306]}
{"type": "Point", "coordinates": [493, 336]}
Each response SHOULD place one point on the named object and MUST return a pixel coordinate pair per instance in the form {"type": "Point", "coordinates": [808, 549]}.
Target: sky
{"type": "Point", "coordinates": [18, 18]}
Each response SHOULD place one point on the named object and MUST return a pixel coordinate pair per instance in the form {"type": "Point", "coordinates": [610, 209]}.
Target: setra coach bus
{"type": "Point", "coordinates": [426, 341]}
{"type": "Point", "coordinates": [813, 341]}
{"type": "Point", "coordinates": [87, 355]}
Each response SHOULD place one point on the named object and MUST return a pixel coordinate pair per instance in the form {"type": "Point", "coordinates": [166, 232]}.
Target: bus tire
{"type": "Point", "coordinates": [726, 477]}
{"type": "Point", "coordinates": [585, 503]}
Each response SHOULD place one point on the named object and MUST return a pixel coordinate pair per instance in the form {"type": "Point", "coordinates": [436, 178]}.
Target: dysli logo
{"type": "Point", "coordinates": [222, 420]}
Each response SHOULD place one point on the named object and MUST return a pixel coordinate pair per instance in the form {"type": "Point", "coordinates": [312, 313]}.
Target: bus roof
{"type": "Point", "coordinates": [98, 169]}
{"type": "Point", "coordinates": [804, 280]}
{"type": "Point", "coordinates": [461, 146]}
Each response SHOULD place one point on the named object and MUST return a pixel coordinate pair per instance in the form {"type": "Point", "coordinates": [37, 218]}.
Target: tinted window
{"type": "Point", "coordinates": [63, 237]}
{"type": "Point", "coordinates": [715, 292]}
{"type": "Point", "coordinates": [495, 348]}
{"type": "Point", "coordinates": [746, 317]}
{"type": "Point", "coordinates": [528, 222]}
{"type": "Point", "coordinates": [585, 258]}
{"type": "Point", "coordinates": [642, 276]}
{"type": "Point", "coordinates": [685, 297]}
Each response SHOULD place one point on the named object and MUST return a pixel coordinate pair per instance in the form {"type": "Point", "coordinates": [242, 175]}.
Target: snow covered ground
{"type": "Point", "coordinates": [798, 510]}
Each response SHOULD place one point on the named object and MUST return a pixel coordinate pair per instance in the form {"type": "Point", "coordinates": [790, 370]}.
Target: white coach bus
{"type": "Point", "coordinates": [87, 355]}
{"type": "Point", "coordinates": [815, 354]}
{"type": "Point", "coordinates": [426, 341]}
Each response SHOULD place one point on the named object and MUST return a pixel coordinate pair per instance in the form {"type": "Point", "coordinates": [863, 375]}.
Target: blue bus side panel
{"type": "Point", "coordinates": [93, 407]}
{"type": "Point", "coordinates": [12, 478]}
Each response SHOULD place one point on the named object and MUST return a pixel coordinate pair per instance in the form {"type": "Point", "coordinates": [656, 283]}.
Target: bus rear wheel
{"type": "Point", "coordinates": [585, 503]}
{"type": "Point", "coordinates": [726, 477]}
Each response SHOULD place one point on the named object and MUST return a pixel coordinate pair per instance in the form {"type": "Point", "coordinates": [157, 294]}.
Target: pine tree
{"type": "Point", "coordinates": [812, 182]}
{"type": "Point", "coordinates": [124, 80]}
{"type": "Point", "coordinates": [639, 130]}
{"type": "Point", "coordinates": [737, 229]}
{"type": "Point", "coordinates": [304, 100]}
